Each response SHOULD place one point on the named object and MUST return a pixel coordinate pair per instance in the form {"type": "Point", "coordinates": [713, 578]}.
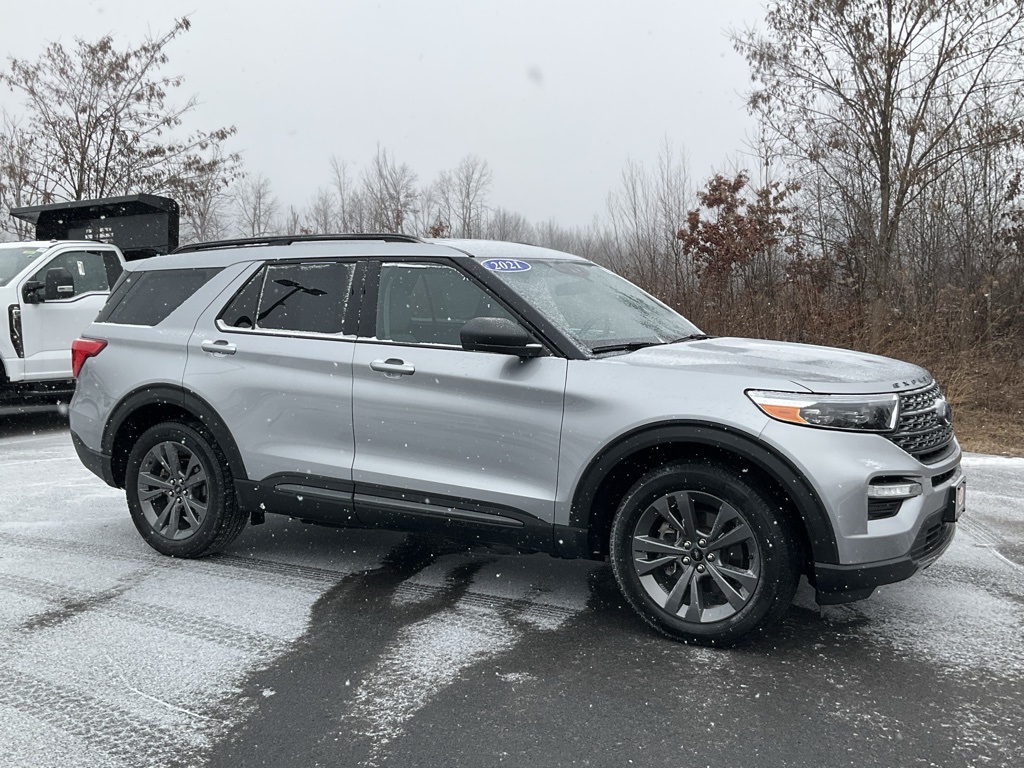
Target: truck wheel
{"type": "Point", "coordinates": [700, 553]}
{"type": "Point", "coordinates": [180, 491]}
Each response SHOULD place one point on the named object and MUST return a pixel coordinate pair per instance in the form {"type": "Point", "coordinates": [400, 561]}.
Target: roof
{"type": "Point", "coordinates": [500, 249]}
{"type": "Point", "coordinates": [224, 253]}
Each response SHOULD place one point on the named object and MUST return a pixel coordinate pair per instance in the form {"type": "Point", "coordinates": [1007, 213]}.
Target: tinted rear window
{"type": "Point", "coordinates": [147, 298]}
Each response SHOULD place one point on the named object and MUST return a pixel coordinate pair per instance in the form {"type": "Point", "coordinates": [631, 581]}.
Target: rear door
{"type": "Point", "coordinates": [275, 361]}
{"type": "Point", "coordinates": [49, 327]}
{"type": "Point", "coordinates": [442, 434]}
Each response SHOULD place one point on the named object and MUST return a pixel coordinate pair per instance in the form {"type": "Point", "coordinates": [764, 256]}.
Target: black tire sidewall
{"type": "Point", "coordinates": [777, 552]}
{"type": "Point", "coordinates": [217, 477]}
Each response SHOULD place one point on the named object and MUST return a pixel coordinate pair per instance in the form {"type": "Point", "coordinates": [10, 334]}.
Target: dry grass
{"type": "Point", "coordinates": [984, 431]}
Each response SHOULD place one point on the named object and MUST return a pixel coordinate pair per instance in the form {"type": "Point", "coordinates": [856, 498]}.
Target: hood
{"type": "Point", "coordinates": [817, 369]}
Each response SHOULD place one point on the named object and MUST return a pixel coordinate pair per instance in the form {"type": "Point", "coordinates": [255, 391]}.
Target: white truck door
{"type": "Point", "coordinates": [49, 327]}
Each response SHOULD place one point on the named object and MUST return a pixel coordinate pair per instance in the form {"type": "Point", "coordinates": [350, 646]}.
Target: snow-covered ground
{"type": "Point", "coordinates": [112, 655]}
{"type": "Point", "coordinates": [109, 654]}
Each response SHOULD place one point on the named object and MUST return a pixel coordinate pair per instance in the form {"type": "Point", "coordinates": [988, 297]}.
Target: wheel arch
{"type": "Point", "coordinates": [149, 405]}
{"type": "Point", "coordinates": [616, 468]}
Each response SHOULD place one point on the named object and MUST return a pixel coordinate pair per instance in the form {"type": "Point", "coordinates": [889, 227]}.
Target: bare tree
{"type": "Point", "coordinates": [428, 218]}
{"type": "Point", "coordinates": [102, 123]}
{"type": "Point", "coordinates": [323, 213]}
{"type": "Point", "coordinates": [645, 214]}
{"type": "Point", "coordinates": [256, 207]}
{"type": "Point", "coordinates": [352, 209]}
{"type": "Point", "coordinates": [462, 196]}
{"type": "Point", "coordinates": [205, 200]}
{"type": "Point", "coordinates": [390, 193]}
{"type": "Point", "coordinates": [503, 224]}
{"type": "Point", "coordinates": [16, 169]}
{"type": "Point", "coordinates": [294, 223]}
{"type": "Point", "coordinates": [881, 98]}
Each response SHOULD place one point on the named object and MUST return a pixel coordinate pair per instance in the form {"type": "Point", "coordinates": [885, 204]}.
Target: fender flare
{"type": "Point", "coordinates": [806, 500]}
{"type": "Point", "coordinates": [178, 397]}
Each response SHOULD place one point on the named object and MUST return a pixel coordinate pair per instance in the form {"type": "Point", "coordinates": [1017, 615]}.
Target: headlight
{"type": "Point", "coordinates": [865, 413]}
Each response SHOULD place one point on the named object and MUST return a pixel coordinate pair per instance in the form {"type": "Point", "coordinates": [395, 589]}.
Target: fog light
{"type": "Point", "coordinates": [905, 490]}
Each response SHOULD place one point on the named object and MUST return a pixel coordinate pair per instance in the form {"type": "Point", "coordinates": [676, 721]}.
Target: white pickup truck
{"type": "Point", "coordinates": [49, 292]}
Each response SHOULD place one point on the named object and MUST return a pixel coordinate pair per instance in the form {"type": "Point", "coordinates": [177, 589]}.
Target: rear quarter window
{"type": "Point", "coordinates": [148, 297]}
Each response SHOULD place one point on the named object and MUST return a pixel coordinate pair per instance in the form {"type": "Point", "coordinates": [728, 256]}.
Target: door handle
{"type": "Point", "coordinates": [393, 367]}
{"type": "Point", "coordinates": [218, 347]}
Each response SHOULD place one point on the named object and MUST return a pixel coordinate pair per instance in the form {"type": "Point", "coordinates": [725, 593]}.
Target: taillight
{"type": "Point", "coordinates": [82, 350]}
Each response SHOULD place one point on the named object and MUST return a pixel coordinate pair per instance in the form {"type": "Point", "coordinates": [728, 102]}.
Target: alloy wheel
{"type": "Point", "coordinates": [173, 490]}
{"type": "Point", "coordinates": [696, 556]}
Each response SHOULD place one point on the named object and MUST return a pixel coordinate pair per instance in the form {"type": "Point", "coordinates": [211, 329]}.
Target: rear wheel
{"type": "Point", "coordinates": [180, 491]}
{"type": "Point", "coordinates": [700, 553]}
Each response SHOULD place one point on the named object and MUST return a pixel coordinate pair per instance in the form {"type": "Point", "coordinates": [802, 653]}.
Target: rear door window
{"type": "Point", "coordinates": [309, 297]}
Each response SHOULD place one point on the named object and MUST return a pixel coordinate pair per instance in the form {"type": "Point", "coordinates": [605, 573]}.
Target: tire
{"type": "Point", "coordinates": [181, 493]}
{"type": "Point", "coordinates": [700, 553]}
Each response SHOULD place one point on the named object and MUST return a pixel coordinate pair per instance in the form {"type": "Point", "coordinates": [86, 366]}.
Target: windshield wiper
{"type": "Point", "coordinates": [632, 346]}
{"type": "Point", "coordinates": [629, 346]}
{"type": "Point", "coordinates": [691, 337]}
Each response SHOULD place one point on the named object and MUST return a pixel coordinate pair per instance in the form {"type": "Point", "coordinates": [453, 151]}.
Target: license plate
{"type": "Point", "coordinates": [959, 500]}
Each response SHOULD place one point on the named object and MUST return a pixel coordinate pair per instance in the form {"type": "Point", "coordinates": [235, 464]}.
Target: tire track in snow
{"type": "Point", "coordinates": [988, 539]}
{"type": "Point", "coordinates": [155, 616]}
{"type": "Point", "coordinates": [304, 577]}
{"type": "Point", "coordinates": [532, 612]}
{"type": "Point", "coordinates": [106, 726]}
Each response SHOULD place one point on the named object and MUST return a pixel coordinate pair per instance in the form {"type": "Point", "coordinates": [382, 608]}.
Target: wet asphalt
{"type": "Point", "coordinates": [418, 651]}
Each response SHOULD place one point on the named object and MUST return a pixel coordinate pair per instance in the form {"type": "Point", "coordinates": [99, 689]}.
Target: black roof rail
{"type": "Point", "coordinates": [388, 237]}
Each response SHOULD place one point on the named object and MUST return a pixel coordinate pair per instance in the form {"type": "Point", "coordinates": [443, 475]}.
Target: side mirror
{"type": "Point", "coordinates": [59, 284]}
{"type": "Point", "coordinates": [30, 292]}
{"type": "Point", "coordinates": [499, 335]}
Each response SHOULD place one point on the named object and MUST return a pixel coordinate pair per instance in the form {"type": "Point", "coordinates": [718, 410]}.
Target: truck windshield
{"type": "Point", "coordinates": [594, 306]}
{"type": "Point", "coordinates": [14, 258]}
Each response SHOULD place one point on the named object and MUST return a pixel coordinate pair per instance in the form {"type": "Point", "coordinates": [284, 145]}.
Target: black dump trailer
{"type": "Point", "coordinates": [140, 225]}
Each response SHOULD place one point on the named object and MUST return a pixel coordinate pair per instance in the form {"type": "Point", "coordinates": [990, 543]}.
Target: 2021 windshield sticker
{"type": "Point", "coordinates": [506, 265]}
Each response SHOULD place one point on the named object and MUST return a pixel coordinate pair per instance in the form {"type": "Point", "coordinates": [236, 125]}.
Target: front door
{"type": "Point", "coordinates": [441, 431]}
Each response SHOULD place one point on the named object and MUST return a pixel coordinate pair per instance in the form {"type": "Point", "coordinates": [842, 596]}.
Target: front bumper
{"type": "Point", "coordinates": [846, 583]}
{"type": "Point", "coordinates": [95, 461]}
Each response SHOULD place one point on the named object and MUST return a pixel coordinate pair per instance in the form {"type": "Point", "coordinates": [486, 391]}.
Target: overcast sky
{"type": "Point", "coordinates": [556, 95]}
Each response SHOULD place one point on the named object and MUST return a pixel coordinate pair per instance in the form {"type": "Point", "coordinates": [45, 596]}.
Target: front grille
{"type": "Point", "coordinates": [922, 431]}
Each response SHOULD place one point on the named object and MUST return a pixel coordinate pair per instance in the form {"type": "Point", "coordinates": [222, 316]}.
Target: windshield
{"type": "Point", "coordinates": [596, 307]}
{"type": "Point", "coordinates": [13, 259]}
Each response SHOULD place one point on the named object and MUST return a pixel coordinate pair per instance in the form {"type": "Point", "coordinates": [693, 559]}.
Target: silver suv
{"type": "Point", "coordinates": [514, 395]}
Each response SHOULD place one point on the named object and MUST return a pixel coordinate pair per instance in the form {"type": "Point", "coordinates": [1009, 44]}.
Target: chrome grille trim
{"type": "Point", "coordinates": [919, 430]}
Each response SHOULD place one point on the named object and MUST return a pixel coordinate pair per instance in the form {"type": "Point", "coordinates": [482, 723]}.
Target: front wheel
{"type": "Point", "coordinates": [180, 491]}
{"type": "Point", "coordinates": [700, 553]}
